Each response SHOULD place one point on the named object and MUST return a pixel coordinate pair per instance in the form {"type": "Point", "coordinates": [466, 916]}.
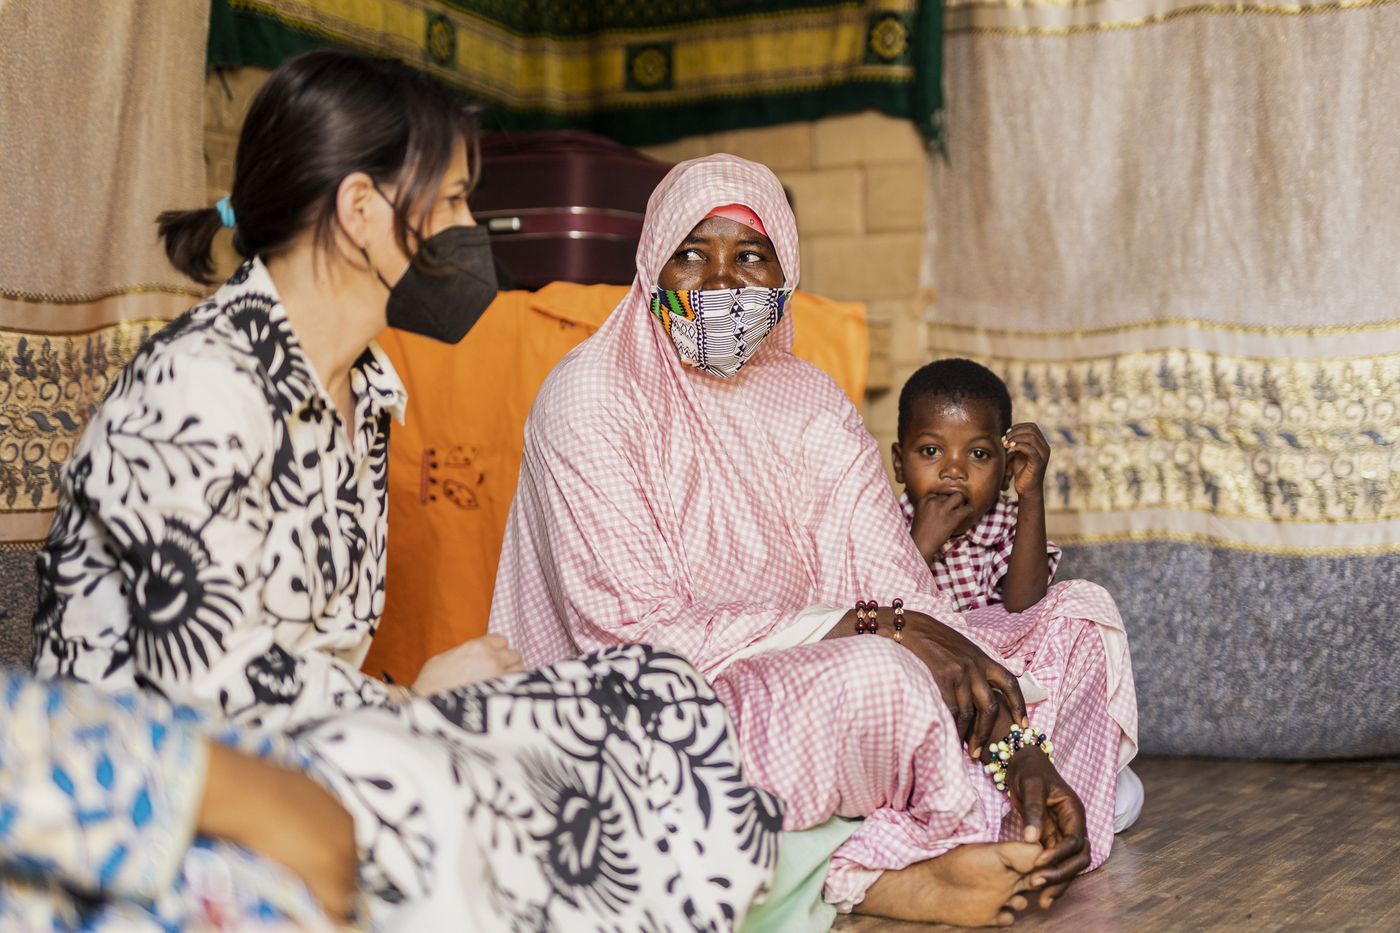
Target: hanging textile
{"type": "Point", "coordinates": [639, 71]}
{"type": "Point", "coordinates": [1172, 229]}
{"type": "Point", "coordinates": [100, 136]}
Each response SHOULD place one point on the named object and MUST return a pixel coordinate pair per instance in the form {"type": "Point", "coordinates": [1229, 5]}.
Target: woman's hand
{"type": "Point", "coordinates": [484, 658]}
{"type": "Point", "coordinates": [973, 685]}
{"type": "Point", "coordinates": [1054, 817]}
{"type": "Point", "coordinates": [936, 517]}
{"type": "Point", "coordinates": [977, 689]}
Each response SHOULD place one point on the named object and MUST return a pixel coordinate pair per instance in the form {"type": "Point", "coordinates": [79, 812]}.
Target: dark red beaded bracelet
{"type": "Point", "coordinates": [864, 625]}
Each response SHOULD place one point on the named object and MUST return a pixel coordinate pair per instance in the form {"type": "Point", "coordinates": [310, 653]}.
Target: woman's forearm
{"type": "Point", "coordinates": [284, 816]}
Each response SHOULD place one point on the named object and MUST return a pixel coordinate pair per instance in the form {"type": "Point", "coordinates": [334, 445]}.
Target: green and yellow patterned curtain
{"type": "Point", "coordinates": [639, 71]}
{"type": "Point", "coordinates": [1174, 229]}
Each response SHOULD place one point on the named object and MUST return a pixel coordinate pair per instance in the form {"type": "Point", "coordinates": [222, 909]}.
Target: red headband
{"type": "Point", "coordinates": [739, 214]}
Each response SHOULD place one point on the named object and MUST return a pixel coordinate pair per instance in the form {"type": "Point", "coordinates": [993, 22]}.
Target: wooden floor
{"type": "Point", "coordinates": [1239, 846]}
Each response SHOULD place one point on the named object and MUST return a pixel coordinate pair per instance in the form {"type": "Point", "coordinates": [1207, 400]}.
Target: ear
{"type": "Point", "coordinates": [355, 199]}
{"type": "Point", "coordinates": [897, 458]}
{"type": "Point", "coordinates": [1006, 476]}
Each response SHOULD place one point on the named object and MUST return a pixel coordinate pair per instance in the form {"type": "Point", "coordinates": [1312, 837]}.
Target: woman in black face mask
{"type": "Point", "coordinates": [222, 530]}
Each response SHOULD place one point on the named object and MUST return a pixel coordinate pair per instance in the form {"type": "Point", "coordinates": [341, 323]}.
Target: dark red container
{"type": "Point", "coordinates": [563, 205]}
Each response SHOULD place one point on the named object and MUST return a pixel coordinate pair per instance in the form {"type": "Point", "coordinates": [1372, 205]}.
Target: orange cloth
{"type": "Point", "coordinates": [453, 464]}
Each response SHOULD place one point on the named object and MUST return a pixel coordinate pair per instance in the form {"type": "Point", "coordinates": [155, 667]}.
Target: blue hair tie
{"type": "Point", "coordinates": [225, 210]}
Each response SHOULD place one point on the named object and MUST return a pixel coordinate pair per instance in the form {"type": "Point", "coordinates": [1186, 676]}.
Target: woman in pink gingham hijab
{"type": "Point", "coordinates": [711, 493]}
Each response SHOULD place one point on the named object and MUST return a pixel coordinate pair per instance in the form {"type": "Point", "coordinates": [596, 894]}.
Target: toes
{"type": "Point", "coordinates": [1018, 903]}
{"type": "Point", "coordinates": [1019, 856]}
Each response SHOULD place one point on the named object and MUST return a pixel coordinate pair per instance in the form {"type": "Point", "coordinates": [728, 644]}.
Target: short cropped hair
{"type": "Point", "coordinates": [955, 380]}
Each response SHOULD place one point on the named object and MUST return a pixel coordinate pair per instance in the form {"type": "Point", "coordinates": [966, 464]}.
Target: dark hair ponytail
{"type": "Point", "coordinates": [189, 237]}
{"type": "Point", "coordinates": [319, 117]}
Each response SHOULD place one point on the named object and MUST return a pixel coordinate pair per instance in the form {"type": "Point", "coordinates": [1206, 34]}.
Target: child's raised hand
{"type": "Point", "coordinates": [936, 517]}
{"type": "Point", "coordinates": [1028, 455]}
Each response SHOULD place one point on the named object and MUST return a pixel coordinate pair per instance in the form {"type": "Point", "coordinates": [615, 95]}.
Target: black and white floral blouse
{"type": "Point", "coordinates": [220, 536]}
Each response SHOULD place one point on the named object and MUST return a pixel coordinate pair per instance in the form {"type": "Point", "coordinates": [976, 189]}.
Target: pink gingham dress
{"type": "Point", "coordinates": [661, 505]}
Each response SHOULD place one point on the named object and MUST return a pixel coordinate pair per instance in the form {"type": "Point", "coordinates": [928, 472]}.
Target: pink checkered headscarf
{"type": "Point", "coordinates": [659, 504]}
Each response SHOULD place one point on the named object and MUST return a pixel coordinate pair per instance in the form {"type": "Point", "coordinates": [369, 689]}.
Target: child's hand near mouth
{"type": "Point", "coordinates": [936, 517]}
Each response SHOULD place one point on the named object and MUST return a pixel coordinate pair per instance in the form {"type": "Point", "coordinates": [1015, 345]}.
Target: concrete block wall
{"type": "Point", "coordinates": [859, 185]}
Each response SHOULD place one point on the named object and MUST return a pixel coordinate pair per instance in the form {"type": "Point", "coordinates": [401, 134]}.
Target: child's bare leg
{"type": "Point", "coordinates": [971, 885]}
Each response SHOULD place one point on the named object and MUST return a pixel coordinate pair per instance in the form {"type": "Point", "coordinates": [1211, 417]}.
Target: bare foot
{"type": "Point", "coordinates": [484, 658]}
{"type": "Point", "coordinates": [971, 886]}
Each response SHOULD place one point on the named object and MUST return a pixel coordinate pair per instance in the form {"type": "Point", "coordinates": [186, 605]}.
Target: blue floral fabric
{"type": "Point", "coordinates": [98, 796]}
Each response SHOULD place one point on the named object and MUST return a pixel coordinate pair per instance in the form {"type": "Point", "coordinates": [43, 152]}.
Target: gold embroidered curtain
{"type": "Point", "coordinates": [1173, 228]}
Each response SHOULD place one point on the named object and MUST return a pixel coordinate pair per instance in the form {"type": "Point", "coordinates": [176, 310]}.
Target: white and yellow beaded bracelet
{"type": "Point", "coordinates": [1002, 751]}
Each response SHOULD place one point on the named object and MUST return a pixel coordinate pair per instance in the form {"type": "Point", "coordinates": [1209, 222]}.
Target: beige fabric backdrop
{"type": "Point", "coordinates": [1174, 229]}
{"type": "Point", "coordinates": [101, 109]}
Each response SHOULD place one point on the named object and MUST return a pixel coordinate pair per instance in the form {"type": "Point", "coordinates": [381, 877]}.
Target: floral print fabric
{"type": "Point", "coordinates": [98, 798]}
{"type": "Point", "coordinates": [221, 531]}
{"type": "Point", "coordinates": [597, 794]}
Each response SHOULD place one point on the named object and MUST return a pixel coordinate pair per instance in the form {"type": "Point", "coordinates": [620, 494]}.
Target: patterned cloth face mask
{"type": "Point", "coordinates": [718, 330]}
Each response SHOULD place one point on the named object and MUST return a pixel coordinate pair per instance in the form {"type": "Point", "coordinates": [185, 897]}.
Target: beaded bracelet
{"type": "Point", "coordinates": [1002, 751]}
{"type": "Point", "coordinates": [872, 625]}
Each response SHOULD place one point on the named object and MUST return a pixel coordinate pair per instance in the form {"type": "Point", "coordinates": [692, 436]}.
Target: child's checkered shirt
{"type": "Point", "coordinates": [970, 567]}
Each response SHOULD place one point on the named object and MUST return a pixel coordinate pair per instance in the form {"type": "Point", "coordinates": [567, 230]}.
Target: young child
{"type": "Point", "coordinates": [957, 456]}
